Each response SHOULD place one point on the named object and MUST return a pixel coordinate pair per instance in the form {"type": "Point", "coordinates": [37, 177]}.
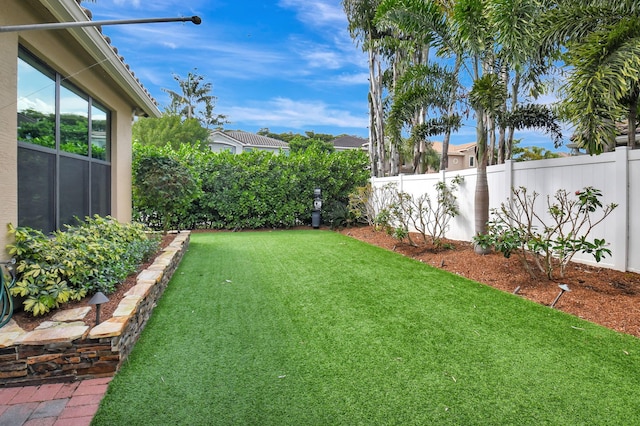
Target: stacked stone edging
{"type": "Point", "coordinates": [66, 349]}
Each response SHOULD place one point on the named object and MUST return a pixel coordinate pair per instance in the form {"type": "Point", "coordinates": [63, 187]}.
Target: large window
{"type": "Point", "coordinates": [64, 148]}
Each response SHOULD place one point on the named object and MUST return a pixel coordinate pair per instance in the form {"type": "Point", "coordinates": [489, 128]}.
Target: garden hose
{"type": "Point", "coordinates": [5, 295]}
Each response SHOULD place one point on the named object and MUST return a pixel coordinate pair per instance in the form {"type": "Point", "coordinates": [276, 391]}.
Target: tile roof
{"type": "Point", "coordinates": [623, 128]}
{"type": "Point", "coordinates": [99, 47]}
{"type": "Point", "coordinates": [252, 139]}
{"type": "Point", "coordinates": [349, 142]}
{"type": "Point", "coordinates": [453, 149]}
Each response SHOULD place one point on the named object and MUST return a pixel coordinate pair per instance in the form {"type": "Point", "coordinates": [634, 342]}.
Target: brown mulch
{"type": "Point", "coordinates": [604, 296]}
{"type": "Point", "coordinates": [28, 322]}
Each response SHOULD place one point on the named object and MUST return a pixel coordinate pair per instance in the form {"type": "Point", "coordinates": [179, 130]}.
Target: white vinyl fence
{"type": "Point", "coordinates": [616, 174]}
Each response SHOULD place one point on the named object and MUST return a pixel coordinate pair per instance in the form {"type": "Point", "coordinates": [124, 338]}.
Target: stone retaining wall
{"type": "Point", "coordinates": [65, 349]}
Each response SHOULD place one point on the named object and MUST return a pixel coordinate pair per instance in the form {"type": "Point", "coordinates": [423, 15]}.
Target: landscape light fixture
{"type": "Point", "coordinates": [563, 289]}
{"type": "Point", "coordinates": [98, 299]}
{"type": "Point", "coordinates": [61, 25]}
{"type": "Point", "coordinates": [317, 207]}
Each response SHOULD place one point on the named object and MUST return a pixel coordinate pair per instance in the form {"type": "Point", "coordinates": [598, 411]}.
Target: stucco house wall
{"type": "Point", "coordinates": [461, 157]}
{"type": "Point", "coordinates": [88, 61]}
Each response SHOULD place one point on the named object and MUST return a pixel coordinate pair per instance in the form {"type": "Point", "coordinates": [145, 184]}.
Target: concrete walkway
{"type": "Point", "coordinates": [57, 404]}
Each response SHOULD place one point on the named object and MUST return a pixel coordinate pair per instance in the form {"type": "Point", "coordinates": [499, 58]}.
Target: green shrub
{"type": "Point", "coordinates": [93, 256]}
{"type": "Point", "coordinates": [256, 189]}
{"type": "Point", "coordinates": [164, 187]}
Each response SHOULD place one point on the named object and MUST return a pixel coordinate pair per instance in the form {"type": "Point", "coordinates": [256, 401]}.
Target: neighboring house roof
{"type": "Point", "coordinates": [98, 46]}
{"type": "Point", "coordinates": [454, 149]}
{"type": "Point", "coordinates": [623, 128]}
{"type": "Point", "coordinates": [349, 142]}
{"type": "Point", "coordinates": [623, 133]}
{"type": "Point", "coordinates": [247, 139]}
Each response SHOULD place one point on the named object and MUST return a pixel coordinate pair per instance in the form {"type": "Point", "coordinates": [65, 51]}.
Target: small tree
{"type": "Point", "coordinates": [371, 205]}
{"type": "Point", "coordinates": [430, 218]}
{"type": "Point", "coordinates": [519, 228]}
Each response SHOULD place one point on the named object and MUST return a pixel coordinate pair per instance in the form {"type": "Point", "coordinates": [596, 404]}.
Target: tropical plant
{"type": "Point", "coordinates": [529, 153]}
{"type": "Point", "coordinates": [93, 256]}
{"type": "Point", "coordinates": [367, 203]}
{"type": "Point", "coordinates": [600, 42]}
{"type": "Point", "coordinates": [249, 190]}
{"type": "Point", "coordinates": [300, 144]}
{"type": "Point", "coordinates": [429, 218]}
{"type": "Point", "coordinates": [361, 17]}
{"type": "Point", "coordinates": [423, 88]}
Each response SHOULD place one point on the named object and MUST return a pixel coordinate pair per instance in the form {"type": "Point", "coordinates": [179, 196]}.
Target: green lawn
{"type": "Point", "coordinates": [314, 328]}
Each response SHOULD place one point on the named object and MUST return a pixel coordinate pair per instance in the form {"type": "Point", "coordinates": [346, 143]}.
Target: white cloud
{"type": "Point", "coordinates": [323, 58]}
{"type": "Point", "coordinates": [296, 114]}
{"type": "Point", "coordinates": [317, 13]}
{"type": "Point", "coordinates": [353, 79]}
{"type": "Point", "coordinates": [134, 3]}
{"type": "Point", "coordinates": [146, 6]}
{"type": "Point", "coordinates": [35, 104]}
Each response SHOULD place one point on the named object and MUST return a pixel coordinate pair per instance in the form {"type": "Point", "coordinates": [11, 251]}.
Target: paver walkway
{"type": "Point", "coordinates": [57, 404]}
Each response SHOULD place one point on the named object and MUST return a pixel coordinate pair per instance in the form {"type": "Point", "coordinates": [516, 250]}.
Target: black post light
{"type": "Point", "coordinates": [317, 207]}
{"type": "Point", "coordinates": [98, 299]}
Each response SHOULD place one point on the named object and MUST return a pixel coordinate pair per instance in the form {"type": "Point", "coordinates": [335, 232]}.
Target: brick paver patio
{"type": "Point", "coordinates": [57, 404]}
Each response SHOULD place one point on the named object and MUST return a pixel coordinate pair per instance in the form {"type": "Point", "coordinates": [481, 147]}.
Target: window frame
{"type": "Point", "coordinates": [93, 202]}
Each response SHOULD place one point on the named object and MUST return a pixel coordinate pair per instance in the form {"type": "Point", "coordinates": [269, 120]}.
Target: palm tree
{"type": "Point", "coordinates": [521, 62]}
{"type": "Point", "coordinates": [601, 42]}
{"type": "Point", "coordinates": [194, 94]}
{"type": "Point", "coordinates": [361, 14]}
{"type": "Point", "coordinates": [424, 88]}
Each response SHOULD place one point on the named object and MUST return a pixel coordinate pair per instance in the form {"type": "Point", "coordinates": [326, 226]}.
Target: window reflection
{"type": "Point", "coordinates": [99, 136]}
{"type": "Point", "coordinates": [74, 122]}
{"type": "Point", "coordinates": [63, 172]}
{"type": "Point", "coordinates": [36, 104]}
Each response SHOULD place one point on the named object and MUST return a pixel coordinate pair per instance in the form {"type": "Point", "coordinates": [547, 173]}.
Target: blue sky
{"type": "Point", "coordinates": [288, 65]}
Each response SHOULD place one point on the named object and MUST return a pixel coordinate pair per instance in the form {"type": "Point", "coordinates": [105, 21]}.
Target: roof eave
{"type": "Point", "coordinates": [95, 44]}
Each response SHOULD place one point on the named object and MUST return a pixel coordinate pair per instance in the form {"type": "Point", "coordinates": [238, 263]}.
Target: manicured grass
{"type": "Point", "coordinates": [315, 328]}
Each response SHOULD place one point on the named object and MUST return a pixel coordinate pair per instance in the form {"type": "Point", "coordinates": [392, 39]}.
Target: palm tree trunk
{"type": "Point", "coordinates": [481, 210]}
{"type": "Point", "coordinates": [491, 125]}
{"type": "Point", "coordinates": [376, 128]}
{"type": "Point", "coordinates": [372, 149]}
{"type": "Point", "coordinates": [444, 158]}
{"type": "Point", "coordinates": [481, 199]}
{"type": "Point", "coordinates": [514, 104]}
{"type": "Point", "coordinates": [501, 144]}
{"type": "Point", "coordinates": [504, 75]}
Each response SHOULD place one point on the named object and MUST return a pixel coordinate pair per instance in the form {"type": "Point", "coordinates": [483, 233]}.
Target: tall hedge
{"type": "Point", "coordinates": [256, 189]}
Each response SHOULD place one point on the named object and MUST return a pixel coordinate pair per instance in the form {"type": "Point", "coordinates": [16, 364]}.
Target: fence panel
{"type": "Point", "coordinates": [633, 211]}
{"type": "Point", "coordinates": [616, 174]}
